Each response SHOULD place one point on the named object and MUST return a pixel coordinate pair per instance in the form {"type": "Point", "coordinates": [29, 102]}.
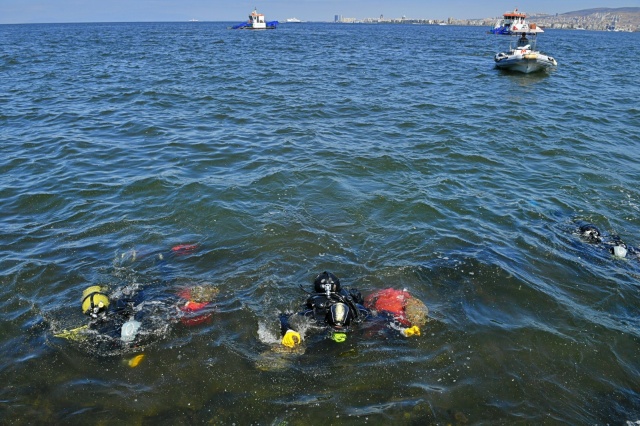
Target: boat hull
{"type": "Point", "coordinates": [247, 26]}
{"type": "Point", "coordinates": [527, 63]}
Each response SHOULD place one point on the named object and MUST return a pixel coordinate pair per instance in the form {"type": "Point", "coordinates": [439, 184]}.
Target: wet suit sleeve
{"type": "Point", "coordinates": [290, 337]}
{"type": "Point", "coordinates": [284, 323]}
{"type": "Point", "coordinates": [363, 313]}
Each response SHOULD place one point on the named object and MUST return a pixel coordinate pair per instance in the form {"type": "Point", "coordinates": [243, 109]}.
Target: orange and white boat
{"type": "Point", "coordinates": [511, 23]}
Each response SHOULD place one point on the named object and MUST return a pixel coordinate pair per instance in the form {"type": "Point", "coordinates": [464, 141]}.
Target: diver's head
{"type": "Point", "coordinates": [94, 301]}
{"type": "Point", "coordinates": [591, 233]}
{"type": "Point", "coordinates": [339, 316]}
{"type": "Point", "coordinates": [326, 282]}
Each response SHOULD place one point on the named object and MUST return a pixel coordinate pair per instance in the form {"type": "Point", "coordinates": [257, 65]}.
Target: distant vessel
{"type": "Point", "coordinates": [293, 20]}
{"type": "Point", "coordinates": [523, 56]}
{"type": "Point", "coordinates": [511, 23]}
{"type": "Point", "coordinates": [612, 26]}
{"type": "Point", "coordinates": [256, 22]}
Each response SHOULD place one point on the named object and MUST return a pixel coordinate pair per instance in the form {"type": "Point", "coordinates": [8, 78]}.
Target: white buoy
{"type": "Point", "coordinates": [129, 330]}
{"type": "Point", "coordinates": [619, 251]}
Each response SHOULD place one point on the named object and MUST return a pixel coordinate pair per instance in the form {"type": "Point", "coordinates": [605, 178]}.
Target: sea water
{"type": "Point", "coordinates": [390, 155]}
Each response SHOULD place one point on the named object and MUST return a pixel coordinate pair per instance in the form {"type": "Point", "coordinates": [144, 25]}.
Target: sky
{"type": "Point", "coordinates": [55, 11]}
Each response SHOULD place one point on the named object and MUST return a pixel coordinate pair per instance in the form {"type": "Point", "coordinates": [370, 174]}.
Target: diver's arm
{"type": "Point", "coordinates": [363, 313]}
{"type": "Point", "coordinates": [290, 337]}
{"type": "Point", "coordinates": [405, 328]}
{"type": "Point", "coordinates": [284, 323]}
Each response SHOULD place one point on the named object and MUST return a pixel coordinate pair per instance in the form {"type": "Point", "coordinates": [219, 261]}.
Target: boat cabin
{"type": "Point", "coordinates": [515, 19]}
{"type": "Point", "coordinates": [256, 20]}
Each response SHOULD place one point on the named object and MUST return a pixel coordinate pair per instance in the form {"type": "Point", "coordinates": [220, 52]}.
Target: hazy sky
{"type": "Point", "coordinates": [36, 11]}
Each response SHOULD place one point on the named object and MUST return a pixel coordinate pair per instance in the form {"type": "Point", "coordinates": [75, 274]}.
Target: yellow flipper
{"type": "Point", "coordinates": [135, 361]}
{"type": "Point", "coordinates": [411, 331]}
{"type": "Point", "coordinates": [74, 334]}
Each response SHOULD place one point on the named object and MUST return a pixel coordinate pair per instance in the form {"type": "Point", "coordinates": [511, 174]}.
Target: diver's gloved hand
{"type": "Point", "coordinates": [291, 338]}
{"type": "Point", "coordinates": [411, 331]}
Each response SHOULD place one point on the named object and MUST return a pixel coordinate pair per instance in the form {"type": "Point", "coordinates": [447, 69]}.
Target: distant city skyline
{"type": "Point", "coordinates": [55, 11]}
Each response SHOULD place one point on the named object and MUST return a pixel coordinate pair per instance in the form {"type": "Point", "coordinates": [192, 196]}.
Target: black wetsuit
{"type": "Point", "coordinates": [591, 234]}
{"type": "Point", "coordinates": [318, 305]}
{"type": "Point", "coordinates": [103, 337]}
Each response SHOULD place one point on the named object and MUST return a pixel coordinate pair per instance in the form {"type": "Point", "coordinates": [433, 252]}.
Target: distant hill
{"type": "Point", "coordinates": [618, 10]}
{"type": "Point", "coordinates": [596, 19]}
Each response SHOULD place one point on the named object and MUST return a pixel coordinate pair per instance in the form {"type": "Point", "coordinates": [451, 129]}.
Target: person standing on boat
{"type": "Point", "coordinates": [523, 41]}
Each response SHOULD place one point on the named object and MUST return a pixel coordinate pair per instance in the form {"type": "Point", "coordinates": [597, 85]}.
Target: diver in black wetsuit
{"type": "Point", "coordinates": [591, 234]}
{"type": "Point", "coordinates": [330, 305]}
{"type": "Point", "coordinates": [121, 321]}
{"type": "Point", "coordinates": [338, 309]}
{"type": "Point", "coordinates": [133, 316]}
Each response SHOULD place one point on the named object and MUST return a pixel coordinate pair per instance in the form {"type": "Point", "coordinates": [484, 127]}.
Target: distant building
{"type": "Point", "coordinates": [341, 19]}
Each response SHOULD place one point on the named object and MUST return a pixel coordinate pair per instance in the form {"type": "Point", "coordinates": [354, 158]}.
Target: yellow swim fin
{"type": "Point", "coordinates": [135, 361]}
{"type": "Point", "coordinates": [74, 334]}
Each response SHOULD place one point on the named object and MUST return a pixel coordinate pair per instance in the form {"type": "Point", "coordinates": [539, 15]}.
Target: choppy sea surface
{"type": "Point", "coordinates": [390, 155]}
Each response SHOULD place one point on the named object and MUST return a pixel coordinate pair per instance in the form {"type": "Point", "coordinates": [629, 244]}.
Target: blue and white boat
{"type": "Point", "coordinates": [256, 22]}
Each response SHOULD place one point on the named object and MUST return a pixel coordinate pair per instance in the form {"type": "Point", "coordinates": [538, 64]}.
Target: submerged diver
{"type": "Point", "coordinates": [337, 309]}
{"type": "Point", "coordinates": [124, 321]}
{"type": "Point", "coordinates": [133, 316]}
{"type": "Point", "coordinates": [591, 234]}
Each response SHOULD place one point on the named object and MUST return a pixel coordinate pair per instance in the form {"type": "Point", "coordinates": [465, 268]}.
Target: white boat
{"type": "Point", "coordinates": [256, 22]}
{"type": "Point", "coordinates": [293, 20]}
{"type": "Point", "coordinates": [523, 56]}
{"type": "Point", "coordinates": [511, 23]}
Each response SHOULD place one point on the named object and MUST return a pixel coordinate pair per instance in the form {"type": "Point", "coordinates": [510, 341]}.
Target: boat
{"type": "Point", "coordinates": [612, 26]}
{"type": "Point", "coordinates": [511, 23]}
{"type": "Point", "coordinates": [523, 56]}
{"type": "Point", "coordinates": [293, 20]}
{"type": "Point", "coordinates": [256, 22]}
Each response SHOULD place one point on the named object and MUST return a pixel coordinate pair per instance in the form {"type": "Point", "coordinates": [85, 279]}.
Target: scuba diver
{"type": "Point", "coordinates": [132, 316]}
{"type": "Point", "coordinates": [125, 321]}
{"type": "Point", "coordinates": [337, 310]}
{"type": "Point", "coordinates": [591, 234]}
